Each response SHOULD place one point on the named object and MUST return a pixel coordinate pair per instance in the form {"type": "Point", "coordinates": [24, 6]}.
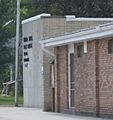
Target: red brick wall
{"type": "Point", "coordinates": [105, 78]}
{"type": "Point", "coordinates": [61, 78]}
{"type": "Point", "coordinates": [85, 100]}
{"type": "Point", "coordinates": [93, 79]}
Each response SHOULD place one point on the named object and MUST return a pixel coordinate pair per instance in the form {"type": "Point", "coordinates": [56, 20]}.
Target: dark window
{"type": "Point", "coordinates": [25, 39]}
{"type": "Point", "coordinates": [72, 83]}
{"type": "Point", "coordinates": [110, 46]}
{"type": "Point", "coordinates": [52, 72]}
{"type": "Point", "coordinates": [26, 65]}
{"type": "Point", "coordinates": [80, 50]}
{"type": "Point", "coordinates": [25, 46]}
{"type": "Point", "coordinates": [25, 53]}
{"type": "Point", "coordinates": [30, 46]}
{"type": "Point", "coordinates": [72, 98]}
{"type": "Point", "coordinates": [26, 59]}
{"type": "Point", "coordinates": [30, 38]}
{"type": "Point", "coordinates": [72, 66]}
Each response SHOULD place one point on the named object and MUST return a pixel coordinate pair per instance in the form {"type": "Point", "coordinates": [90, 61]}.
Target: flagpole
{"type": "Point", "coordinates": [16, 55]}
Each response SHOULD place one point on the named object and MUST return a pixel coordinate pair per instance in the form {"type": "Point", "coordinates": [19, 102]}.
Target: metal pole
{"type": "Point", "coordinates": [16, 59]}
{"type": "Point", "coordinates": [11, 72]}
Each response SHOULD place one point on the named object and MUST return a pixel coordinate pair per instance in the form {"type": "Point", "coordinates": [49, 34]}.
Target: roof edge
{"type": "Point", "coordinates": [68, 18]}
{"type": "Point", "coordinates": [35, 18]}
{"type": "Point", "coordinates": [87, 19]}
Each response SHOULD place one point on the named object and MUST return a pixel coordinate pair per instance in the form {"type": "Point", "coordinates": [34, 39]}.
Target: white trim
{"type": "Point", "coordinates": [70, 50]}
{"type": "Point", "coordinates": [85, 46]}
{"type": "Point", "coordinates": [73, 18]}
{"type": "Point", "coordinates": [35, 18]}
{"type": "Point", "coordinates": [98, 32]}
{"type": "Point", "coordinates": [70, 17]}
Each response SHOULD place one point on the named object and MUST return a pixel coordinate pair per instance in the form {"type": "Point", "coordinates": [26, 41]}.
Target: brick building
{"type": "Point", "coordinates": [38, 91]}
{"type": "Point", "coordinates": [82, 71]}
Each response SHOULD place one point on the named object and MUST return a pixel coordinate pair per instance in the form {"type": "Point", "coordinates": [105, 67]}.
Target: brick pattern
{"type": "Point", "coordinates": [52, 27]}
{"type": "Point", "coordinates": [93, 79]}
{"type": "Point", "coordinates": [61, 79]}
{"type": "Point", "coordinates": [85, 80]}
{"type": "Point", "coordinates": [47, 90]}
{"type": "Point", "coordinates": [105, 78]}
{"type": "Point", "coordinates": [57, 81]}
{"type": "Point", "coordinates": [85, 99]}
{"type": "Point", "coordinates": [97, 87]}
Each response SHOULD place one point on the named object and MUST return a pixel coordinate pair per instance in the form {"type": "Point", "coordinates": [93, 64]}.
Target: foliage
{"type": "Point", "coordinates": [81, 8]}
{"type": "Point", "coordinates": [29, 8]}
{"type": "Point", "coordinates": [89, 8]}
{"type": "Point", "coordinates": [7, 12]}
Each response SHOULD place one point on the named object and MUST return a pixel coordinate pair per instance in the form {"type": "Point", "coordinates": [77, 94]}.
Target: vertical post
{"type": "Point", "coordinates": [16, 59]}
{"type": "Point", "coordinates": [85, 46]}
{"type": "Point", "coordinates": [11, 72]}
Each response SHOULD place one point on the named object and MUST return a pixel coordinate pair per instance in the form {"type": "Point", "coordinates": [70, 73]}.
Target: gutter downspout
{"type": "Point", "coordinates": [53, 77]}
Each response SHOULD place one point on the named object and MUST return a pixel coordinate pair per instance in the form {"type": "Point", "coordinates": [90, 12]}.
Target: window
{"type": "Point", "coordinates": [25, 53]}
{"type": "Point", "coordinates": [25, 39]}
{"type": "Point", "coordinates": [72, 83]}
{"type": "Point", "coordinates": [110, 46]}
{"type": "Point", "coordinates": [26, 59]}
{"type": "Point", "coordinates": [30, 38]}
{"type": "Point", "coordinates": [52, 71]}
{"type": "Point", "coordinates": [80, 50]}
{"type": "Point", "coordinates": [71, 80]}
{"type": "Point", "coordinates": [30, 46]}
{"type": "Point", "coordinates": [25, 46]}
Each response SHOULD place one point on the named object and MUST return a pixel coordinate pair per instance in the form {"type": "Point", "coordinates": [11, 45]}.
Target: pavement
{"type": "Point", "coordinates": [21, 113]}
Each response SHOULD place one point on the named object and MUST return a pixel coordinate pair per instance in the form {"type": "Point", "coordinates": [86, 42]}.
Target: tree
{"type": "Point", "coordinates": [90, 8]}
{"type": "Point", "coordinates": [7, 12]}
{"type": "Point", "coordinates": [29, 8]}
{"type": "Point", "coordinates": [80, 8]}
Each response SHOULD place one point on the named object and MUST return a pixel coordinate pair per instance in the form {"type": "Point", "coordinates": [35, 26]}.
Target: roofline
{"type": "Point", "coordinates": [97, 32]}
{"type": "Point", "coordinates": [35, 18]}
{"type": "Point", "coordinates": [69, 18]}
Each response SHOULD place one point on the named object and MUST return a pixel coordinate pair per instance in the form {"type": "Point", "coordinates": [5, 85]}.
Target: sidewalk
{"type": "Point", "coordinates": [12, 113]}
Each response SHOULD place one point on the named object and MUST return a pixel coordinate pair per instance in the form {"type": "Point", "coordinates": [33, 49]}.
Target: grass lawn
{"type": "Point", "coordinates": [9, 100]}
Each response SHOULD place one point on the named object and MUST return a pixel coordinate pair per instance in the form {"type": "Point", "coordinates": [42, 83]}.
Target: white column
{"type": "Point", "coordinates": [85, 46]}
